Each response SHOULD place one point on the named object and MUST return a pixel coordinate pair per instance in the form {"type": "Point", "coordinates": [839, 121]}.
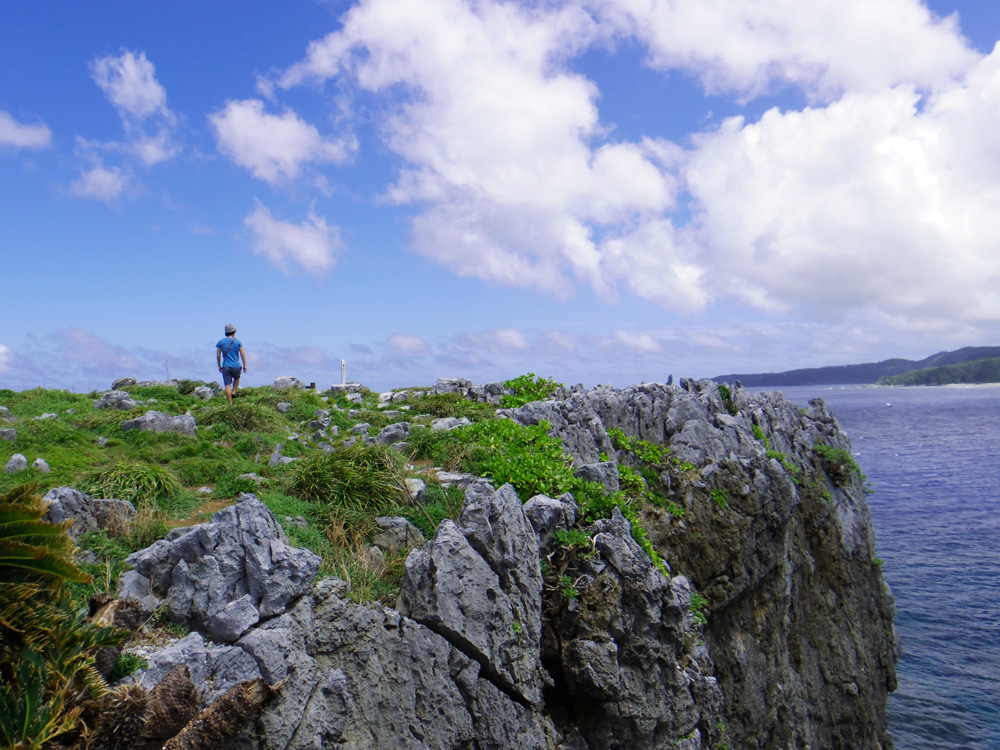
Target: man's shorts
{"type": "Point", "coordinates": [229, 374]}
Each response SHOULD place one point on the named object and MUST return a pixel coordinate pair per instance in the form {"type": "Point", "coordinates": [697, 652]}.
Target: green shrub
{"type": "Point", "coordinates": [142, 484]}
{"type": "Point", "coordinates": [720, 498]}
{"type": "Point", "coordinates": [759, 434]}
{"type": "Point", "coordinates": [644, 450]}
{"type": "Point", "coordinates": [838, 464]}
{"type": "Point", "coordinates": [232, 484]}
{"type": "Point", "coordinates": [528, 388]}
{"type": "Point", "coordinates": [242, 416]}
{"type": "Point", "coordinates": [631, 482]}
{"type": "Point", "coordinates": [727, 399]}
{"type": "Point", "coordinates": [186, 387]}
{"type": "Point", "coordinates": [576, 540]}
{"type": "Point", "coordinates": [523, 455]}
{"type": "Point", "coordinates": [359, 476]}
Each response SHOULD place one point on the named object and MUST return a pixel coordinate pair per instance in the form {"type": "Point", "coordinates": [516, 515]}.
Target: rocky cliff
{"type": "Point", "coordinates": [764, 624]}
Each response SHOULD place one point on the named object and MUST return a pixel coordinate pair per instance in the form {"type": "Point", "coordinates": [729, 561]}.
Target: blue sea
{"type": "Point", "coordinates": [931, 456]}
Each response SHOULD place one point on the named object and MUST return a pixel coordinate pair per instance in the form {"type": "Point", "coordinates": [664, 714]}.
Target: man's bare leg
{"type": "Point", "coordinates": [229, 394]}
{"type": "Point", "coordinates": [236, 384]}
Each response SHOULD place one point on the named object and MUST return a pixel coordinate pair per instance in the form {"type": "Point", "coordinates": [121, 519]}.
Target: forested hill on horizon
{"type": "Point", "coordinates": [867, 373]}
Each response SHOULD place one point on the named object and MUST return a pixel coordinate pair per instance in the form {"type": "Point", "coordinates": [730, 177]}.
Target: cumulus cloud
{"type": "Point", "coordinates": [881, 196]}
{"type": "Point", "coordinates": [20, 135]}
{"type": "Point", "coordinates": [273, 147]}
{"type": "Point", "coordinates": [129, 82]}
{"type": "Point", "coordinates": [313, 244]}
{"type": "Point", "coordinates": [497, 340]}
{"type": "Point", "coordinates": [498, 136]}
{"type": "Point", "coordinates": [873, 201]}
{"type": "Point", "coordinates": [824, 47]}
{"type": "Point", "coordinates": [641, 341]}
{"type": "Point", "coordinates": [100, 183]}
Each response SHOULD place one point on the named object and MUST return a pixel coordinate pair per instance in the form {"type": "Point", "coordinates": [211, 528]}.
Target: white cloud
{"type": "Point", "coordinates": [273, 147]}
{"type": "Point", "coordinates": [497, 340]}
{"type": "Point", "coordinates": [497, 135]}
{"type": "Point", "coordinates": [824, 47]}
{"type": "Point", "coordinates": [641, 341]}
{"type": "Point", "coordinates": [101, 183]}
{"type": "Point", "coordinates": [312, 244]}
{"type": "Point", "coordinates": [6, 358]}
{"type": "Point", "coordinates": [870, 202]}
{"type": "Point", "coordinates": [19, 135]}
{"type": "Point", "coordinates": [407, 344]}
{"type": "Point", "coordinates": [129, 82]}
{"type": "Point", "coordinates": [882, 196]}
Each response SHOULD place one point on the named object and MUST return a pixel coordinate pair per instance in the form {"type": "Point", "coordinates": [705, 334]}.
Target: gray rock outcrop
{"type": "Point", "coordinates": [86, 512]}
{"type": "Point", "coordinates": [785, 536]}
{"type": "Point", "coordinates": [17, 462]}
{"type": "Point", "coordinates": [397, 535]}
{"type": "Point", "coordinates": [157, 421]}
{"type": "Point", "coordinates": [224, 576]}
{"type": "Point", "coordinates": [116, 399]}
{"type": "Point", "coordinates": [9, 434]}
{"type": "Point", "coordinates": [393, 433]}
{"type": "Point", "coordinates": [766, 624]}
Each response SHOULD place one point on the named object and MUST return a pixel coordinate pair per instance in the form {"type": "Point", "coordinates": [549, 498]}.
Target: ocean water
{"type": "Point", "coordinates": [931, 455]}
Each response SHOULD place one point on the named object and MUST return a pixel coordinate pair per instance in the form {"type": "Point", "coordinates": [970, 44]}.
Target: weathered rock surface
{"type": "Point", "coordinates": [17, 462]}
{"type": "Point", "coordinates": [397, 535]}
{"type": "Point", "coordinates": [393, 433]}
{"type": "Point", "coordinates": [157, 421]}
{"type": "Point", "coordinates": [116, 399]}
{"type": "Point", "coordinates": [799, 617]}
{"type": "Point", "coordinates": [87, 513]}
{"type": "Point", "coordinates": [224, 576]}
{"type": "Point", "coordinates": [9, 434]}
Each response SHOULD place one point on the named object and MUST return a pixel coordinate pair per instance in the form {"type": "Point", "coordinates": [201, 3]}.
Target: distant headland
{"type": "Point", "coordinates": [971, 364]}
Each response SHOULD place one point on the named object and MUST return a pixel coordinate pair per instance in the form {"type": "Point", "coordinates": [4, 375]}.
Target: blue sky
{"type": "Point", "coordinates": [593, 190]}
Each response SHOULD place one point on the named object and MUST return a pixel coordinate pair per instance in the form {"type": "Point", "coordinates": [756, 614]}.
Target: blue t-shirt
{"type": "Point", "coordinates": [230, 351]}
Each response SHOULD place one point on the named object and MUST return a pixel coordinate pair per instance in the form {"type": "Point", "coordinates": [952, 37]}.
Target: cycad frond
{"type": "Point", "coordinates": [19, 557]}
{"type": "Point", "coordinates": [30, 546]}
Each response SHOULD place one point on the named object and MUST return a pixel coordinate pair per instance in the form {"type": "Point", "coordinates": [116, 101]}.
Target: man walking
{"type": "Point", "coordinates": [228, 353]}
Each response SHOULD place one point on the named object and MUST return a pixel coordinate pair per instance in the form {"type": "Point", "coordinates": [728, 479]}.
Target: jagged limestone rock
{"type": "Point", "coordinates": [116, 399]}
{"type": "Point", "coordinates": [224, 575]}
{"type": "Point", "coordinates": [88, 513]}
{"type": "Point", "coordinates": [604, 649]}
{"type": "Point", "coordinates": [157, 421]}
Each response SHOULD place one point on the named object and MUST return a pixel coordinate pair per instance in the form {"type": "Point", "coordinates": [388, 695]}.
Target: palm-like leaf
{"type": "Point", "coordinates": [31, 548]}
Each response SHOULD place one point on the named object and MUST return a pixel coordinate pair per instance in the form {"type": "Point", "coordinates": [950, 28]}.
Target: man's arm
{"type": "Point", "coordinates": [244, 358]}
{"type": "Point", "coordinates": [218, 357]}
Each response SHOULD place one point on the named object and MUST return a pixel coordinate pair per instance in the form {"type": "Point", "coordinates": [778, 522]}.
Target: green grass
{"type": "Point", "coordinates": [142, 484]}
{"type": "Point", "coordinates": [360, 476]}
{"type": "Point", "coordinates": [242, 416]}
